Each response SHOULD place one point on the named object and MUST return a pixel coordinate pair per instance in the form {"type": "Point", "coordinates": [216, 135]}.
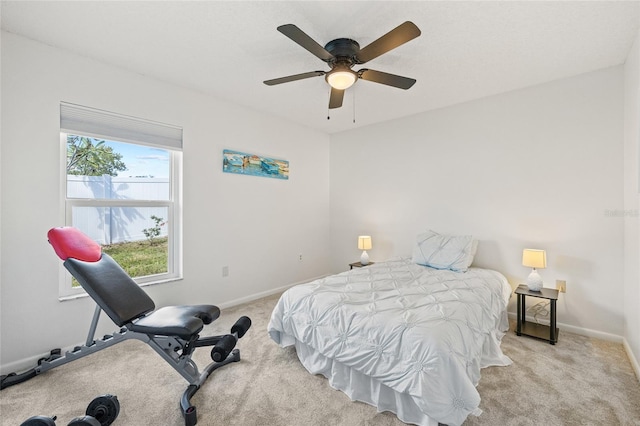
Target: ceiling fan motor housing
{"type": "Point", "coordinates": [344, 51]}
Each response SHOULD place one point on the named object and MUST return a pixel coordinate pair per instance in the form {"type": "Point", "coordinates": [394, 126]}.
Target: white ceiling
{"type": "Point", "coordinates": [467, 50]}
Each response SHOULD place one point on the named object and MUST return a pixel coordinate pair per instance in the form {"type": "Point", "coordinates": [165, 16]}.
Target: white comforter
{"type": "Point", "coordinates": [420, 331]}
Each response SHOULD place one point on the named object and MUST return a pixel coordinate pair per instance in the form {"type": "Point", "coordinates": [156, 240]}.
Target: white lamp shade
{"type": "Point", "coordinates": [364, 242]}
{"type": "Point", "coordinates": [534, 258]}
{"type": "Point", "coordinates": [341, 80]}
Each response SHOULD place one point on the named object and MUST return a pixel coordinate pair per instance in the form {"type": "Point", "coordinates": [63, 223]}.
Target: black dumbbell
{"type": "Point", "coordinates": [39, 421]}
{"type": "Point", "coordinates": [84, 421]}
{"type": "Point", "coordinates": [102, 411]}
{"type": "Point", "coordinates": [104, 408]}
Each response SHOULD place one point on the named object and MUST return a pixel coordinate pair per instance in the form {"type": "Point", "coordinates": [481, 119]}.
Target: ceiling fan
{"type": "Point", "coordinates": [342, 54]}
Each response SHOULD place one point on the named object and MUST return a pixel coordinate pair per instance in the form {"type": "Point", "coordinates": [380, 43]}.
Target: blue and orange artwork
{"type": "Point", "coordinates": [254, 165]}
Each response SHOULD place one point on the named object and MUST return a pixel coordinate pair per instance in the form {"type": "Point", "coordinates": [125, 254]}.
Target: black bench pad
{"type": "Point", "coordinates": [180, 321]}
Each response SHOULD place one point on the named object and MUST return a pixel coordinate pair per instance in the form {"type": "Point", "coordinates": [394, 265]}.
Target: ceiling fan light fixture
{"type": "Point", "coordinates": [341, 79]}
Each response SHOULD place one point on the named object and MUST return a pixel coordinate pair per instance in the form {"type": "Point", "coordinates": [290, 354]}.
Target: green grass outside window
{"type": "Point", "coordinates": [138, 258]}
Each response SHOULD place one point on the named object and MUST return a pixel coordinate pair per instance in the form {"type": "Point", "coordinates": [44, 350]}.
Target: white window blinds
{"type": "Point", "coordinates": [78, 119]}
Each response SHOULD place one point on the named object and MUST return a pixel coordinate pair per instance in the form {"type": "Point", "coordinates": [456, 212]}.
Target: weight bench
{"type": "Point", "coordinates": [171, 331]}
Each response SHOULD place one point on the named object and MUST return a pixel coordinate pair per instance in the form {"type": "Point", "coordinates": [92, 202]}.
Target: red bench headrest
{"type": "Point", "coordinates": [70, 242]}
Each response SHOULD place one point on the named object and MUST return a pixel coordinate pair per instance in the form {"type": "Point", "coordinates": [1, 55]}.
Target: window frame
{"type": "Point", "coordinates": [173, 205]}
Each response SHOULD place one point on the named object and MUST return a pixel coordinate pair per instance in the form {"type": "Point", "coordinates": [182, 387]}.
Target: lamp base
{"type": "Point", "coordinates": [534, 281]}
{"type": "Point", "coordinates": [364, 259]}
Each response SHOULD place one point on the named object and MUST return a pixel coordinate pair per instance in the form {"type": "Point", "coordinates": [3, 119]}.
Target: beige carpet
{"type": "Point", "coordinates": [579, 381]}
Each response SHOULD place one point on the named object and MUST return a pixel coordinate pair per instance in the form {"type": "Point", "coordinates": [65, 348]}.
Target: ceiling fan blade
{"type": "Point", "coordinates": [294, 77]}
{"type": "Point", "coordinates": [394, 38]}
{"type": "Point", "coordinates": [335, 100]}
{"type": "Point", "coordinates": [386, 78]}
{"type": "Point", "coordinates": [300, 37]}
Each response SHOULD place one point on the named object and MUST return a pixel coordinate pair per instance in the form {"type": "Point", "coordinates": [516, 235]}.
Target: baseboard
{"type": "Point", "coordinates": [632, 358]}
{"type": "Point", "coordinates": [577, 330]}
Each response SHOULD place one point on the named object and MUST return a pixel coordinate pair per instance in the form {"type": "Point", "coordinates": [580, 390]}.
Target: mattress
{"type": "Point", "coordinates": [403, 337]}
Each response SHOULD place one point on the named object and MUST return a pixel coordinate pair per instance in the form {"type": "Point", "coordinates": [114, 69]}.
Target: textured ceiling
{"type": "Point", "coordinates": [467, 50]}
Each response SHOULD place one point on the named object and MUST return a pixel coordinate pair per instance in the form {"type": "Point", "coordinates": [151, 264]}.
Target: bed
{"type": "Point", "coordinates": [399, 335]}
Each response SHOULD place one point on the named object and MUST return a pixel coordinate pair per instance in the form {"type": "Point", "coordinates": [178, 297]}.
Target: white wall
{"type": "Point", "coordinates": [252, 225]}
{"type": "Point", "coordinates": [631, 205]}
{"type": "Point", "coordinates": [537, 168]}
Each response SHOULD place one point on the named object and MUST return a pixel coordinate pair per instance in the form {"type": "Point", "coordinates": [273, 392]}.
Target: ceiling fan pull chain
{"type": "Point", "coordinates": [354, 105]}
{"type": "Point", "coordinates": [328, 109]}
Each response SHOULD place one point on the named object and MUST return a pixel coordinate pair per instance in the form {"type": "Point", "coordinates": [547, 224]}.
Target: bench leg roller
{"type": "Point", "coordinates": [223, 348]}
{"type": "Point", "coordinates": [241, 326]}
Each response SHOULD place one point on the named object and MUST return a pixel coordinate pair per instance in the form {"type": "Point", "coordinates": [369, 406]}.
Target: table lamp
{"type": "Point", "coordinates": [536, 259]}
{"type": "Point", "coordinates": [364, 244]}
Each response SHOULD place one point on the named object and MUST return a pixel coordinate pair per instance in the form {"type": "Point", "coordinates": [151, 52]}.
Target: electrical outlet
{"type": "Point", "coordinates": [225, 271]}
{"type": "Point", "coordinates": [300, 257]}
{"type": "Point", "coordinates": [561, 285]}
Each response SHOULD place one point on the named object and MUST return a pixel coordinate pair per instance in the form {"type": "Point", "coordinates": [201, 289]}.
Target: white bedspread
{"type": "Point", "coordinates": [422, 332]}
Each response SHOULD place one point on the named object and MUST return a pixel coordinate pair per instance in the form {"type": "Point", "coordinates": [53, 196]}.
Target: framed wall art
{"type": "Point", "coordinates": [255, 165]}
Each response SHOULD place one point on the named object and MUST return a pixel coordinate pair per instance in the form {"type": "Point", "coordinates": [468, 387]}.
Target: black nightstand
{"type": "Point", "coordinates": [532, 329]}
{"type": "Point", "coordinates": [359, 265]}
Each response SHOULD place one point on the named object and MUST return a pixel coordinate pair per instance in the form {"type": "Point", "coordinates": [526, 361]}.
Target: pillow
{"type": "Point", "coordinates": [445, 251]}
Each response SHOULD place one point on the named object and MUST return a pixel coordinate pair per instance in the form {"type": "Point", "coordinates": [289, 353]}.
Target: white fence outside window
{"type": "Point", "coordinates": [114, 224]}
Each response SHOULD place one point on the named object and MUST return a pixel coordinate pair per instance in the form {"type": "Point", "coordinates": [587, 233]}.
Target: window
{"type": "Point", "coordinates": [122, 188]}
